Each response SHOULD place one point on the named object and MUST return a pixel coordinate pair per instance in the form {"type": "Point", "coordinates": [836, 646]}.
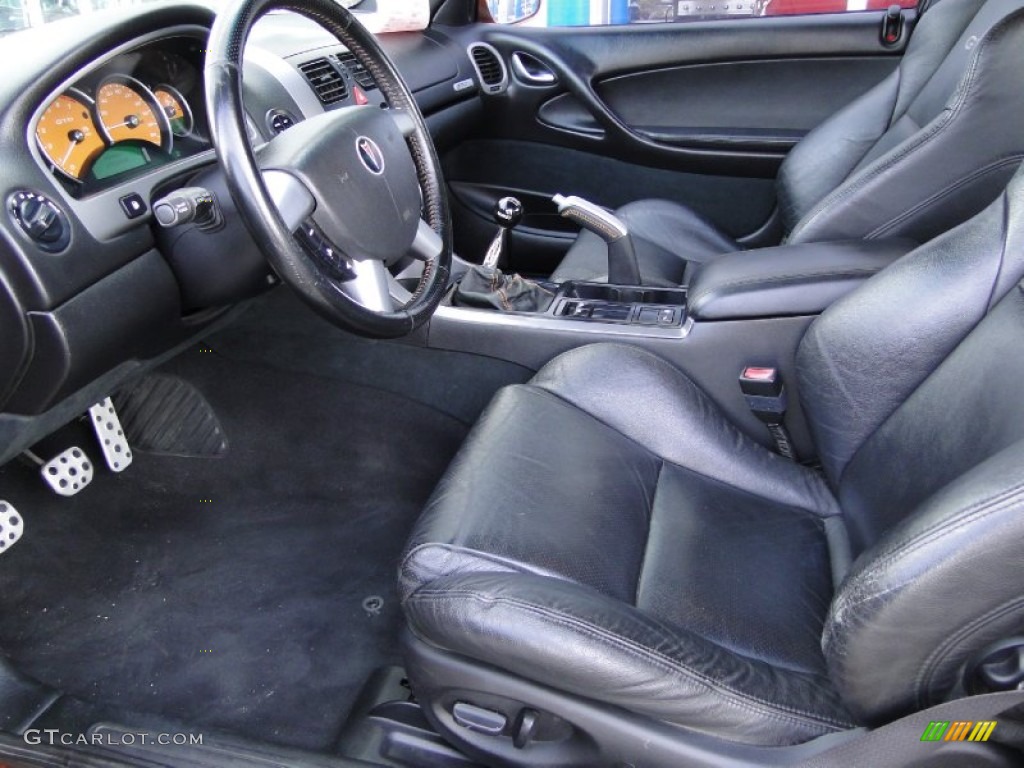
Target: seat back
{"type": "Point", "coordinates": [912, 388]}
{"type": "Point", "coordinates": [927, 148]}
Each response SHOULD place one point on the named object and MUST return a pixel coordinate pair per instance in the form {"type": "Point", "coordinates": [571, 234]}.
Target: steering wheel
{"type": "Point", "coordinates": [339, 198]}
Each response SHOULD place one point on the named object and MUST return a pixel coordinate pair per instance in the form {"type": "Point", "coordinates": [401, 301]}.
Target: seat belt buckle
{"type": "Point", "coordinates": [765, 394]}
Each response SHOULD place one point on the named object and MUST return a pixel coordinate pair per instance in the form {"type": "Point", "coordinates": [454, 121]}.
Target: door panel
{"type": "Point", "coordinates": [700, 113]}
{"type": "Point", "coordinates": [755, 105]}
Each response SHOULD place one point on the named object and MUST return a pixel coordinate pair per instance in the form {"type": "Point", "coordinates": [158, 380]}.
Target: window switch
{"type": "Point", "coordinates": [648, 316]}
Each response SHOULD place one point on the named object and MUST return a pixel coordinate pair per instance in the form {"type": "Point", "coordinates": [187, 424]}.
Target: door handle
{"type": "Point", "coordinates": [531, 70]}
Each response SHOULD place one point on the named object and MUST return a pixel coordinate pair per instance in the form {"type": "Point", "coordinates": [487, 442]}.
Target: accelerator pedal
{"type": "Point", "coordinates": [11, 526]}
{"type": "Point", "coordinates": [110, 435]}
{"type": "Point", "coordinates": [68, 472]}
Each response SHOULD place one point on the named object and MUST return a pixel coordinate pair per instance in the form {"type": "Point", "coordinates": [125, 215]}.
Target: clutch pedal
{"type": "Point", "coordinates": [68, 472]}
{"type": "Point", "coordinates": [110, 435]}
{"type": "Point", "coordinates": [11, 526]}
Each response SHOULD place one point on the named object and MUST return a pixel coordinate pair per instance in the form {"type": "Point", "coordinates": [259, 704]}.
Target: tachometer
{"type": "Point", "coordinates": [127, 110]}
{"type": "Point", "coordinates": [67, 134]}
{"type": "Point", "coordinates": [176, 108]}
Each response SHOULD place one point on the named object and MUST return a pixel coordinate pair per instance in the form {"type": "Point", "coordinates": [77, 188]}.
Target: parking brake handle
{"type": "Point", "coordinates": [622, 264]}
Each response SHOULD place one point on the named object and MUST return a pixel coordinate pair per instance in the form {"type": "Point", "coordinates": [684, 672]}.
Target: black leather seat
{"type": "Point", "coordinates": [607, 535]}
{"type": "Point", "coordinates": [926, 149]}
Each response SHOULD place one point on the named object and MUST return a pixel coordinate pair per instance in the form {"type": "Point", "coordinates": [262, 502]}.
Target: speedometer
{"type": "Point", "coordinates": [67, 134]}
{"type": "Point", "coordinates": [175, 108]}
{"type": "Point", "coordinates": [128, 111]}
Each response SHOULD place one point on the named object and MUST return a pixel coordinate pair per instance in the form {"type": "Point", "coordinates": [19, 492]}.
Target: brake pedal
{"type": "Point", "coordinates": [11, 526]}
{"type": "Point", "coordinates": [110, 435]}
{"type": "Point", "coordinates": [68, 472]}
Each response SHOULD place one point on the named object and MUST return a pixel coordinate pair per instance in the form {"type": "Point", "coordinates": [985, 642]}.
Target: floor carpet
{"type": "Point", "coordinates": [253, 592]}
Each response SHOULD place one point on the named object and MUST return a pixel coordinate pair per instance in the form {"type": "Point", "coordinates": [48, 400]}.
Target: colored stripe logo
{"type": "Point", "coordinates": [958, 730]}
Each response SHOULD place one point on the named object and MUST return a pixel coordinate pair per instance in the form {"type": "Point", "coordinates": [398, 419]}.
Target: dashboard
{"type": "Point", "coordinates": [104, 116]}
{"type": "Point", "coordinates": [140, 110]}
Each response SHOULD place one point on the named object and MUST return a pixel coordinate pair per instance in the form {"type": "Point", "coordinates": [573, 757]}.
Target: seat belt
{"type": "Point", "coordinates": [930, 736]}
{"type": "Point", "coordinates": [766, 397]}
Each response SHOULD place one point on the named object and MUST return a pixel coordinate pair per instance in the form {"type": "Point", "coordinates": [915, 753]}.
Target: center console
{"type": "Point", "coordinates": [749, 308]}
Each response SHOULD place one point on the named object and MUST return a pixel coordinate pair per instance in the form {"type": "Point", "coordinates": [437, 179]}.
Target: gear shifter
{"type": "Point", "coordinates": [487, 287]}
{"type": "Point", "coordinates": [508, 212]}
{"type": "Point", "coordinates": [622, 265]}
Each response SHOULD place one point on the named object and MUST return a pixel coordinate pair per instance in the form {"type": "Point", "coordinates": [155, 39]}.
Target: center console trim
{"type": "Point", "coordinates": [469, 316]}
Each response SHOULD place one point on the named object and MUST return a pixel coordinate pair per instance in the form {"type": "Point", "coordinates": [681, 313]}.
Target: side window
{"type": "Point", "coordinates": [581, 13]}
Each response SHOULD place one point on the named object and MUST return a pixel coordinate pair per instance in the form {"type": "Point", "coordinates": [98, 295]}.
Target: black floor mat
{"type": "Point", "coordinates": [229, 592]}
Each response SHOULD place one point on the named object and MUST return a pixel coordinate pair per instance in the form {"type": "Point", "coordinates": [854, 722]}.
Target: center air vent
{"type": "Point", "coordinates": [490, 67]}
{"type": "Point", "coordinates": [325, 79]}
{"type": "Point", "coordinates": [359, 73]}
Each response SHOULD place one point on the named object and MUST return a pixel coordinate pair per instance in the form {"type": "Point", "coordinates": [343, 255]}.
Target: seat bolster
{"type": "Point", "coordinates": [666, 236]}
{"type": "Point", "coordinates": [571, 637]}
{"type": "Point", "coordinates": [653, 403]}
{"type": "Point", "coordinates": [956, 562]}
{"type": "Point", "coordinates": [829, 154]}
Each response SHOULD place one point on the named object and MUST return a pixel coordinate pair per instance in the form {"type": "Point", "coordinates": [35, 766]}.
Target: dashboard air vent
{"type": "Point", "coordinates": [490, 67]}
{"type": "Point", "coordinates": [325, 79]}
{"type": "Point", "coordinates": [359, 73]}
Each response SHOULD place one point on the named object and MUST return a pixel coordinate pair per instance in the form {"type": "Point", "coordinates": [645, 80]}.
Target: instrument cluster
{"type": "Point", "coordinates": [140, 110]}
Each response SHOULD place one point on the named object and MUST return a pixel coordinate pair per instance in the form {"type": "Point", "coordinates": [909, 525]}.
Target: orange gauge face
{"type": "Point", "coordinates": [126, 114]}
{"type": "Point", "coordinates": [68, 137]}
{"type": "Point", "coordinates": [175, 108]}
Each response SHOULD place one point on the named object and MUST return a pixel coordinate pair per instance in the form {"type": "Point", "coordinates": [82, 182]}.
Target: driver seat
{"type": "Point", "coordinates": [611, 566]}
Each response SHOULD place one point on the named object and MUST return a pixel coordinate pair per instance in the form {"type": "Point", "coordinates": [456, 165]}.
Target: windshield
{"type": "Point", "coordinates": [21, 14]}
{"type": "Point", "coordinates": [377, 16]}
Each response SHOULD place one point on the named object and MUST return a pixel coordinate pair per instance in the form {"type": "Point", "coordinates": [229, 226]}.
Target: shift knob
{"type": "Point", "coordinates": [508, 212]}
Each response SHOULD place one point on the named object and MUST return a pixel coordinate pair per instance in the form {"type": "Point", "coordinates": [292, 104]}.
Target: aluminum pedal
{"type": "Point", "coordinates": [110, 435]}
{"type": "Point", "coordinates": [11, 526]}
{"type": "Point", "coordinates": [69, 472]}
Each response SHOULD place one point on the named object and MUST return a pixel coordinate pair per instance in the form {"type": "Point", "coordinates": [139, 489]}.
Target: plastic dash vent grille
{"type": "Point", "coordinates": [359, 73]}
{"type": "Point", "coordinates": [488, 65]}
{"type": "Point", "coordinates": [325, 79]}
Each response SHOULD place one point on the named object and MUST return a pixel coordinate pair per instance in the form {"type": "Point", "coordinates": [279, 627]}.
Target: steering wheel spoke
{"type": "Point", "coordinates": [292, 199]}
{"type": "Point", "coordinates": [405, 122]}
{"type": "Point", "coordinates": [428, 245]}
{"type": "Point", "coordinates": [371, 286]}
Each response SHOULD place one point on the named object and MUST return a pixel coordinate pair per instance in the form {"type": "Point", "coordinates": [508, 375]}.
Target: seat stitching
{"type": "Point", "coordinates": [408, 568]}
{"type": "Point", "coordinates": [997, 165]}
{"type": "Point", "coordinates": [970, 514]}
{"type": "Point", "coordinates": [744, 700]}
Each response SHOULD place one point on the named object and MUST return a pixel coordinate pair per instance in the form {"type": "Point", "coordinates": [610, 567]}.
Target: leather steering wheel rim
{"type": "Point", "coordinates": [291, 260]}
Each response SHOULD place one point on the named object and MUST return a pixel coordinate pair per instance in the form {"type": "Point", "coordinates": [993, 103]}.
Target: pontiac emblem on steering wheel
{"type": "Point", "coordinates": [370, 155]}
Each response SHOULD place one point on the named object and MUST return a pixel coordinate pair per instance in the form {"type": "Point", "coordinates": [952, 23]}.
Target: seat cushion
{"type": "Point", "coordinates": [577, 541]}
{"type": "Point", "coordinates": [665, 235]}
